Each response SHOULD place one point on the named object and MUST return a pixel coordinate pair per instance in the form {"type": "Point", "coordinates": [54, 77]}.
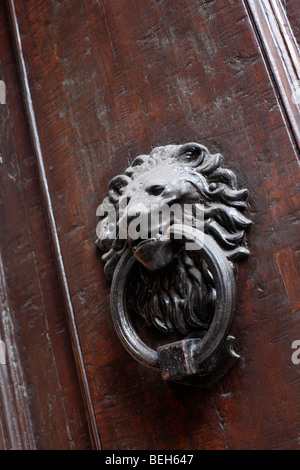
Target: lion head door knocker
{"type": "Point", "coordinates": [172, 229]}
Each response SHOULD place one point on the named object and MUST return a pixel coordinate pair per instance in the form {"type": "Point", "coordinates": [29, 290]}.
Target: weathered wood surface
{"type": "Point", "coordinates": [40, 402]}
{"type": "Point", "coordinates": [109, 81]}
{"type": "Point", "coordinates": [282, 55]}
{"type": "Point", "coordinates": [292, 8]}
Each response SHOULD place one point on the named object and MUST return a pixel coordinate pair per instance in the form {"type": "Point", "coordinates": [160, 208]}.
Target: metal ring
{"type": "Point", "coordinates": [223, 275]}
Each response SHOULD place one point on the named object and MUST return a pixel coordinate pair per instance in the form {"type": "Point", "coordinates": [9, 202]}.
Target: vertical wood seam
{"type": "Point", "coordinates": [281, 54]}
{"type": "Point", "coordinates": [18, 426]}
{"type": "Point", "coordinates": [52, 225]}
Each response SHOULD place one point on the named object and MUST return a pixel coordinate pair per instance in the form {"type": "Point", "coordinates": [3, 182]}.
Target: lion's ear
{"type": "Point", "coordinates": [116, 186]}
{"type": "Point", "coordinates": [192, 154]}
{"type": "Point", "coordinates": [140, 160]}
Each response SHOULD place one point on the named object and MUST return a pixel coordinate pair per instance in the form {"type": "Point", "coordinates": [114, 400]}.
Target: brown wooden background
{"type": "Point", "coordinates": [90, 85]}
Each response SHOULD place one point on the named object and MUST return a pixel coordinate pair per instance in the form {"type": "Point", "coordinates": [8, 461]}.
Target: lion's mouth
{"type": "Point", "coordinates": [154, 253]}
{"type": "Point", "coordinates": [135, 244]}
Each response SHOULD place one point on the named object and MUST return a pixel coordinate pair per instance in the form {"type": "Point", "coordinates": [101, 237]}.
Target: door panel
{"type": "Point", "coordinates": [40, 400]}
{"type": "Point", "coordinates": [105, 82]}
{"type": "Point", "coordinates": [292, 9]}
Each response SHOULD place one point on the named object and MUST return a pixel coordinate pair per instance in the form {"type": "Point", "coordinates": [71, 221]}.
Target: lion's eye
{"type": "Point", "coordinates": [155, 189]}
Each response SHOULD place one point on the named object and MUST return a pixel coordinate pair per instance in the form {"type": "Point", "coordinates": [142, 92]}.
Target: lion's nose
{"type": "Point", "coordinates": [135, 210]}
{"type": "Point", "coordinates": [132, 215]}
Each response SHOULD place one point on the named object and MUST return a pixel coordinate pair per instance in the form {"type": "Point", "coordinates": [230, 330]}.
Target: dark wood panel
{"type": "Point", "coordinates": [292, 8]}
{"type": "Point", "coordinates": [41, 405]}
{"type": "Point", "coordinates": [108, 81]}
{"type": "Point", "coordinates": [281, 53]}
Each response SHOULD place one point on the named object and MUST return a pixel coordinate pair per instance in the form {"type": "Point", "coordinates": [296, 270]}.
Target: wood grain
{"type": "Point", "coordinates": [40, 402]}
{"type": "Point", "coordinates": [281, 53]}
{"type": "Point", "coordinates": [109, 81]}
{"type": "Point", "coordinates": [292, 8]}
{"type": "Point", "coordinates": [290, 276]}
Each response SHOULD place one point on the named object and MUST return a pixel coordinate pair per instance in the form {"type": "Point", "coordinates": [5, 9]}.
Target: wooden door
{"type": "Point", "coordinates": [89, 86]}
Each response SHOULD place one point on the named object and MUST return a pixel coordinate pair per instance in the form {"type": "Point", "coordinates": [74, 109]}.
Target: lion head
{"type": "Point", "coordinates": [173, 288]}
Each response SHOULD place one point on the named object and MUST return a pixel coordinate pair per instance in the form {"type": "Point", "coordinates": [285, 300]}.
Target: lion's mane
{"type": "Point", "coordinates": [181, 298]}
